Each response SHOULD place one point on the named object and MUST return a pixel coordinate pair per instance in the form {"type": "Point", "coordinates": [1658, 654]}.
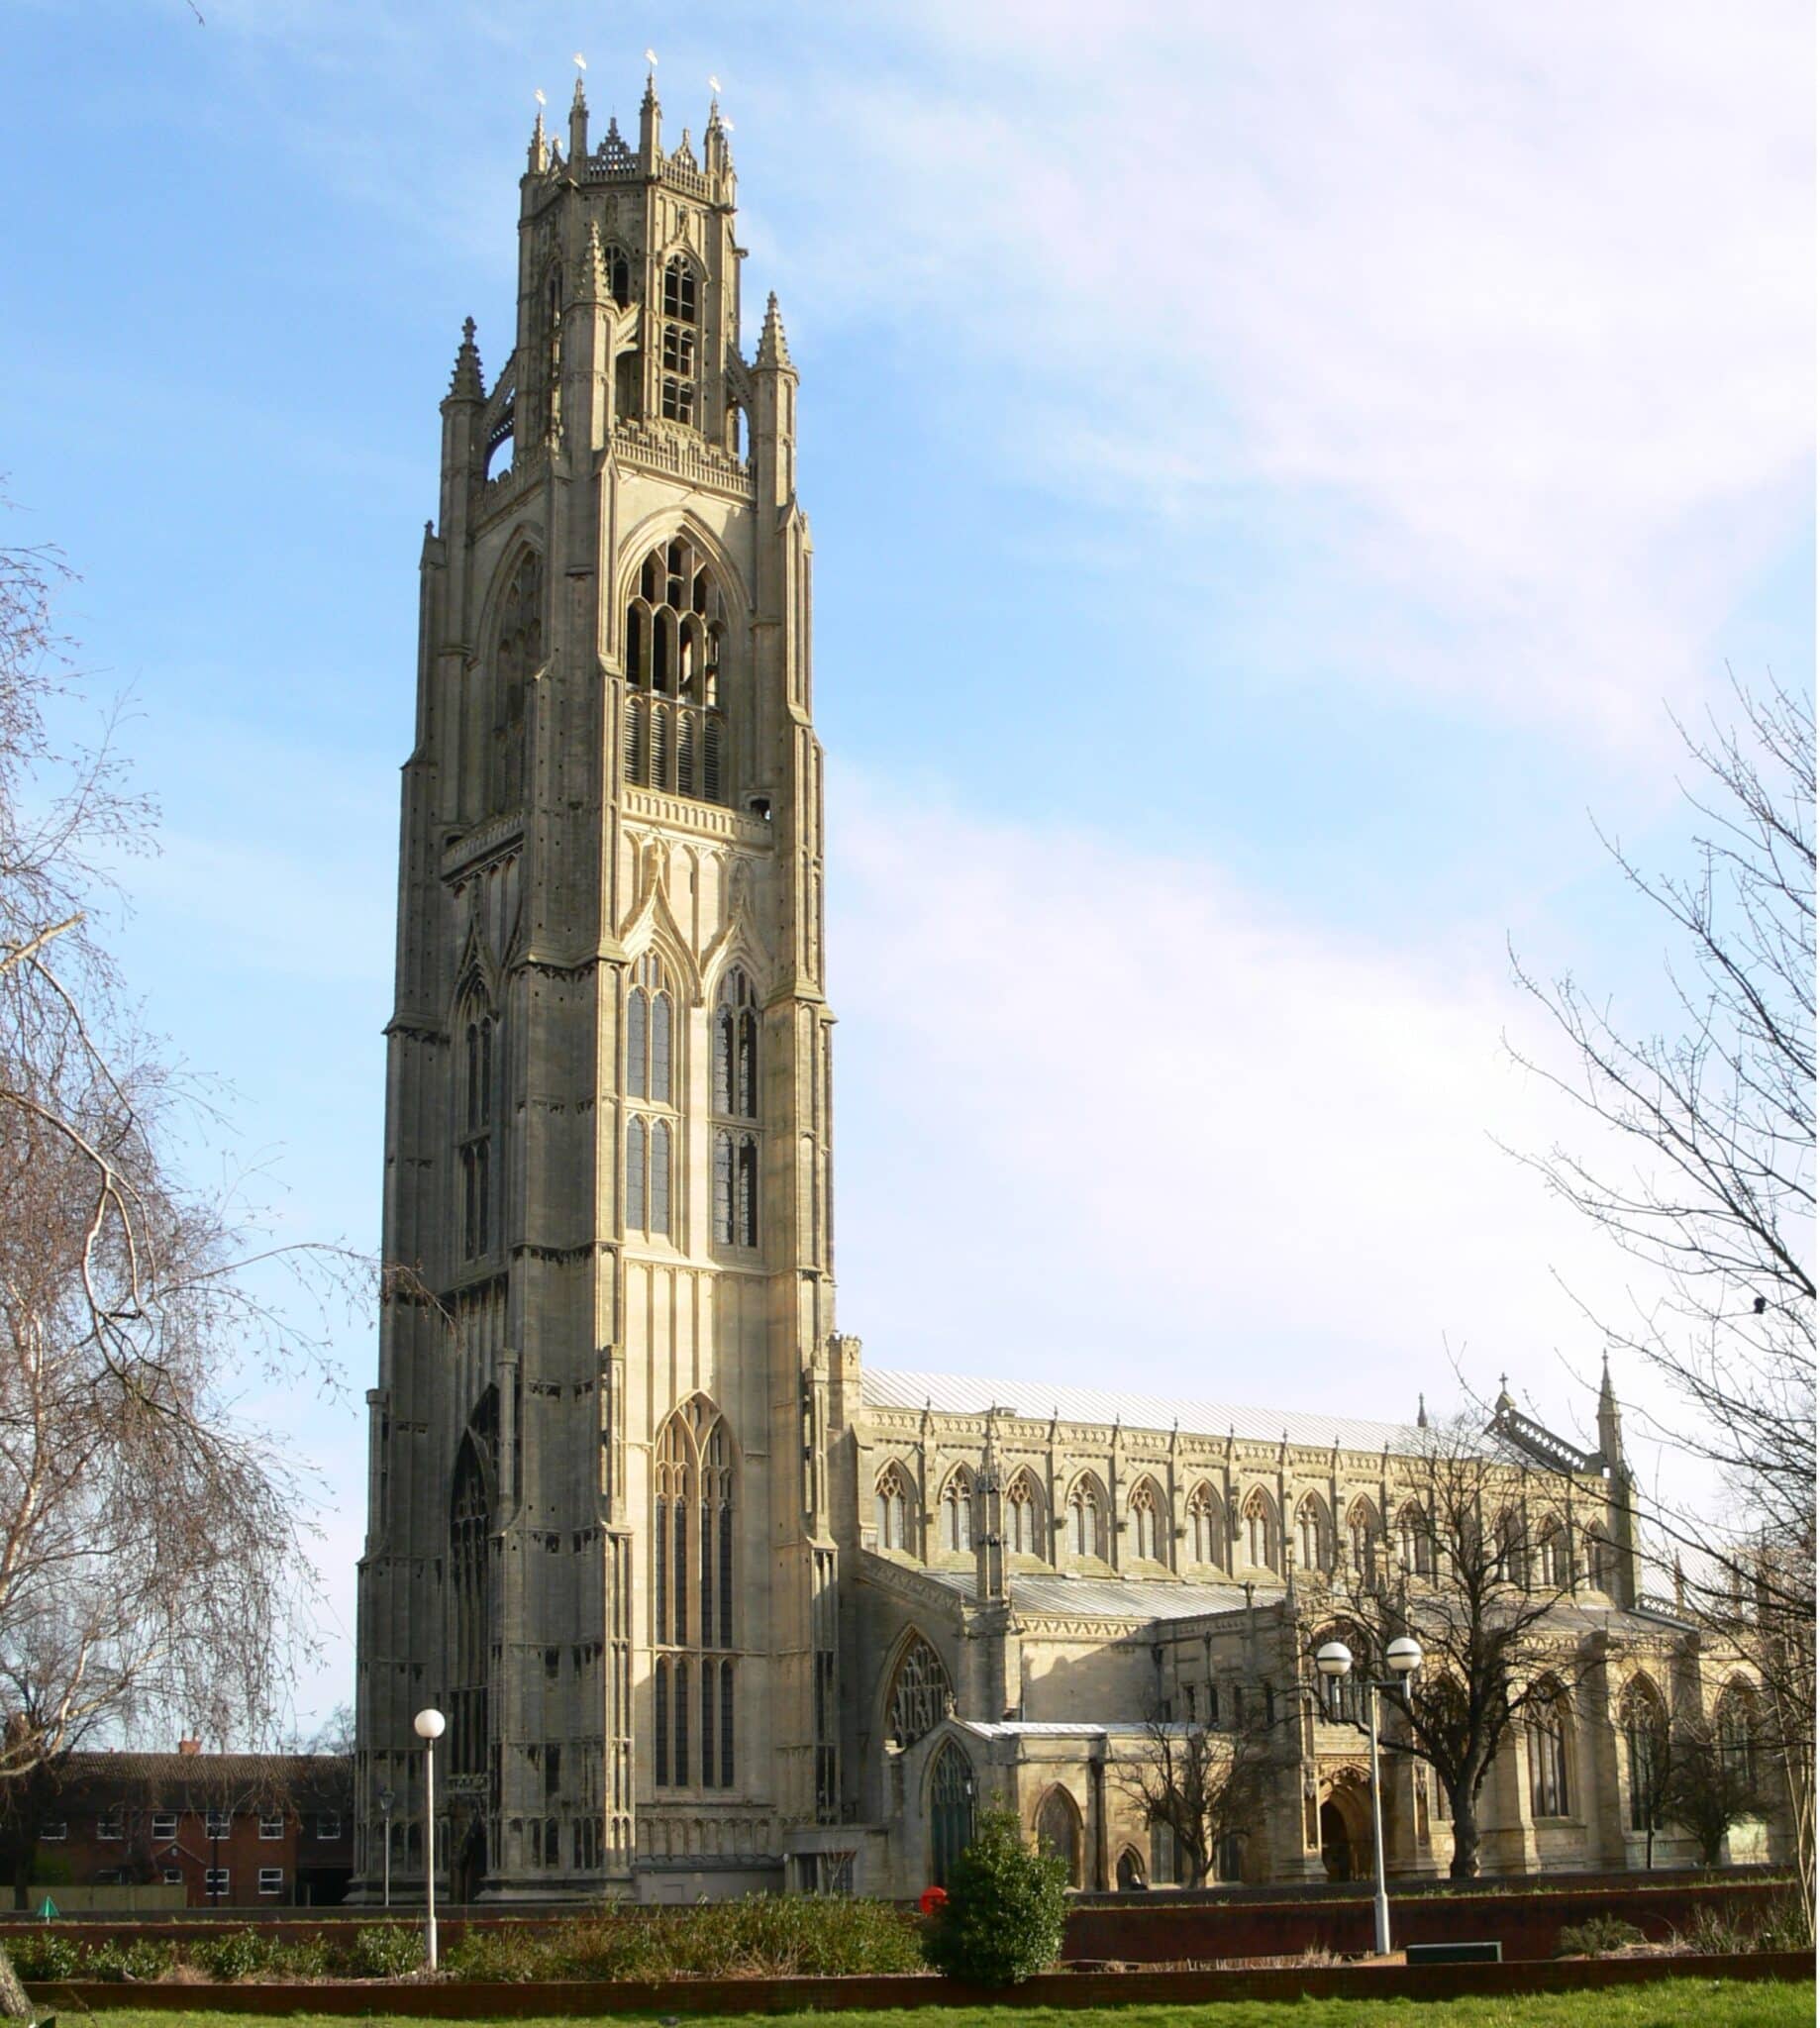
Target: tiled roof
{"type": "Point", "coordinates": [1038, 1401]}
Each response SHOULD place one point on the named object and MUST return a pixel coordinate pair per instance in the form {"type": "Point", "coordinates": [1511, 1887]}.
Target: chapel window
{"type": "Point", "coordinates": [470, 1523]}
{"type": "Point", "coordinates": [1553, 1557]}
{"type": "Point", "coordinates": [650, 1083]}
{"type": "Point", "coordinates": [1362, 1534]}
{"type": "Point", "coordinates": [919, 1696]}
{"type": "Point", "coordinates": [958, 1513]}
{"type": "Point", "coordinates": [1086, 1518]}
{"type": "Point", "coordinates": [1548, 1755]}
{"type": "Point", "coordinates": [736, 1046]}
{"type": "Point", "coordinates": [893, 1508]}
{"type": "Point", "coordinates": [1311, 1533]}
{"type": "Point", "coordinates": [1415, 1540]}
{"type": "Point", "coordinates": [1206, 1534]}
{"type": "Point", "coordinates": [1735, 1730]}
{"type": "Point", "coordinates": [1259, 1519]}
{"type": "Point", "coordinates": [1144, 1539]}
{"type": "Point", "coordinates": [1644, 1722]}
{"type": "Point", "coordinates": [475, 1109]}
{"type": "Point", "coordinates": [1022, 1515]}
{"type": "Point", "coordinates": [518, 654]}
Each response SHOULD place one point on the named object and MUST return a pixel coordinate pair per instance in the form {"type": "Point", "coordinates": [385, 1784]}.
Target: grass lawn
{"type": "Point", "coordinates": [1665, 2004]}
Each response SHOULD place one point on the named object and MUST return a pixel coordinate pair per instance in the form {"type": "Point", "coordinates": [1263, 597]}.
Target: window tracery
{"type": "Point", "coordinates": [651, 1081]}
{"type": "Point", "coordinates": [1362, 1530]}
{"type": "Point", "coordinates": [1146, 1540]}
{"type": "Point", "coordinates": [1734, 1727]}
{"type": "Point", "coordinates": [1553, 1557]}
{"type": "Point", "coordinates": [1206, 1528]}
{"type": "Point", "coordinates": [478, 1030]}
{"type": "Point", "coordinates": [1644, 1720]}
{"type": "Point", "coordinates": [736, 1046]}
{"type": "Point", "coordinates": [675, 729]}
{"type": "Point", "coordinates": [894, 1509]}
{"type": "Point", "coordinates": [1311, 1533]}
{"type": "Point", "coordinates": [469, 1524]}
{"type": "Point", "coordinates": [920, 1695]}
{"type": "Point", "coordinates": [1259, 1519]}
{"type": "Point", "coordinates": [677, 391]}
{"type": "Point", "coordinates": [518, 654]}
{"type": "Point", "coordinates": [1023, 1517]}
{"type": "Point", "coordinates": [693, 1593]}
{"type": "Point", "coordinates": [1548, 1754]}
{"type": "Point", "coordinates": [1086, 1518]}
{"type": "Point", "coordinates": [958, 1511]}
{"type": "Point", "coordinates": [1415, 1540]}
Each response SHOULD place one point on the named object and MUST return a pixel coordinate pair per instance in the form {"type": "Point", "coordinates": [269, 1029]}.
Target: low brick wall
{"type": "Point", "coordinates": [477, 2003]}
{"type": "Point", "coordinates": [1165, 1930]}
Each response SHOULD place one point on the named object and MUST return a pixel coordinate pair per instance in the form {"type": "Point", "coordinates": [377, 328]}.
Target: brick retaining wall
{"type": "Point", "coordinates": [592, 2000]}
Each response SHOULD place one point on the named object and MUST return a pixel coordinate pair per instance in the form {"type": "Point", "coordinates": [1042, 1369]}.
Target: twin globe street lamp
{"type": "Point", "coordinates": [430, 1724]}
{"type": "Point", "coordinates": [1335, 1660]}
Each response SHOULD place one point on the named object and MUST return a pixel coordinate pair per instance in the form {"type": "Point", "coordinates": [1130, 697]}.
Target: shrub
{"type": "Point", "coordinates": [42, 1957]}
{"type": "Point", "coordinates": [237, 1955]}
{"type": "Point", "coordinates": [304, 1958]}
{"type": "Point", "coordinates": [503, 1954]}
{"type": "Point", "coordinates": [1597, 1937]}
{"type": "Point", "coordinates": [144, 1958]}
{"type": "Point", "coordinates": [1006, 1903]}
{"type": "Point", "coordinates": [386, 1950]}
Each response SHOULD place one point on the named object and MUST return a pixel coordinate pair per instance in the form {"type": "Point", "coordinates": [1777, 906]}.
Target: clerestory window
{"type": "Point", "coordinates": [674, 735]}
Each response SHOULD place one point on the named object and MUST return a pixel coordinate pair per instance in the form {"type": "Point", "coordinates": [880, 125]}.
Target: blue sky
{"type": "Point", "coordinates": [1270, 473]}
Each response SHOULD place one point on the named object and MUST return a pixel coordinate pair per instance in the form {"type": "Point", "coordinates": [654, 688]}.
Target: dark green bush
{"type": "Point", "coordinates": [1006, 1903]}
{"type": "Point", "coordinates": [145, 1959]}
{"type": "Point", "coordinates": [44, 1956]}
{"type": "Point", "coordinates": [502, 1954]}
{"type": "Point", "coordinates": [302, 1958]}
{"type": "Point", "coordinates": [1597, 1937]}
{"type": "Point", "coordinates": [386, 1950]}
{"type": "Point", "coordinates": [237, 1955]}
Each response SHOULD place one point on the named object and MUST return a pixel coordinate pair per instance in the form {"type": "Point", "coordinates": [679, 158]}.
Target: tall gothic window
{"type": "Point", "coordinates": [895, 1506]}
{"type": "Point", "coordinates": [1507, 1533]}
{"type": "Point", "coordinates": [1145, 1538]}
{"type": "Point", "coordinates": [1088, 1517]}
{"type": "Point", "coordinates": [680, 338]}
{"type": "Point", "coordinates": [1023, 1518]}
{"type": "Point", "coordinates": [470, 1523]}
{"type": "Point", "coordinates": [675, 730]}
{"type": "Point", "coordinates": [1059, 1831]}
{"type": "Point", "coordinates": [919, 1693]}
{"type": "Point", "coordinates": [1259, 1519]}
{"type": "Point", "coordinates": [1206, 1529]}
{"type": "Point", "coordinates": [736, 1046]}
{"type": "Point", "coordinates": [476, 1107]}
{"type": "Point", "coordinates": [518, 654]}
{"type": "Point", "coordinates": [950, 1810]}
{"type": "Point", "coordinates": [958, 1511]}
{"type": "Point", "coordinates": [1736, 1727]}
{"type": "Point", "coordinates": [1311, 1533]}
{"type": "Point", "coordinates": [618, 272]}
{"type": "Point", "coordinates": [1548, 1755]}
{"type": "Point", "coordinates": [650, 1080]}
{"type": "Point", "coordinates": [1553, 1557]}
{"type": "Point", "coordinates": [1415, 1540]}
{"type": "Point", "coordinates": [1362, 1531]}
{"type": "Point", "coordinates": [736, 1188]}
{"type": "Point", "coordinates": [694, 1588]}
{"type": "Point", "coordinates": [1645, 1724]}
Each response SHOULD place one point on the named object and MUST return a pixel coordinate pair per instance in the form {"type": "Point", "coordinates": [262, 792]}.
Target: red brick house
{"type": "Point", "coordinates": [236, 1830]}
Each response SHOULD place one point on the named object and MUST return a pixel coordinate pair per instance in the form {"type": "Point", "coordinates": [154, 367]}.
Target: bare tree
{"type": "Point", "coordinates": [1707, 1786]}
{"type": "Point", "coordinates": [149, 1537]}
{"type": "Point", "coordinates": [1203, 1787]}
{"type": "Point", "coordinates": [1699, 1164]}
{"type": "Point", "coordinates": [1493, 1610]}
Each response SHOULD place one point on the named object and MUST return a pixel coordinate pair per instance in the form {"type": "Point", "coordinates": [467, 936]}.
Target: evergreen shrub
{"type": "Point", "coordinates": [1006, 1904]}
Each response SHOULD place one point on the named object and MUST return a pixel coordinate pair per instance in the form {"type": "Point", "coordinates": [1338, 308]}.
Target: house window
{"type": "Point", "coordinates": [216, 1882]}
{"type": "Point", "coordinates": [173, 1875]}
{"type": "Point", "coordinates": [271, 1879]}
{"type": "Point", "coordinates": [328, 1827]}
{"type": "Point", "coordinates": [164, 1823]}
{"type": "Point", "coordinates": [54, 1833]}
{"type": "Point", "coordinates": [111, 1826]}
{"type": "Point", "coordinates": [271, 1827]}
{"type": "Point", "coordinates": [217, 1824]}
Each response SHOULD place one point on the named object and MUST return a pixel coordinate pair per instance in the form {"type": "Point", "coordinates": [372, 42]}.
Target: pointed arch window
{"type": "Point", "coordinates": [958, 1513]}
{"type": "Point", "coordinates": [1259, 1519]}
{"type": "Point", "coordinates": [1059, 1831]}
{"type": "Point", "coordinates": [736, 1188]}
{"type": "Point", "coordinates": [675, 735]}
{"type": "Point", "coordinates": [694, 1589]}
{"type": "Point", "coordinates": [1552, 1555]}
{"type": "Point", "coordinates": [469, 1524]}
{"type": "Point", "coordinates": [1548, 1754]}
{"type": "Point", "coordinates": [1512, 1565]}
{"type": "Point", "coordinates": [950, 1810]}
{"type": "Point", "coordinates": [1361, 1530]}
{"type": "Point", "coordinates": [1087, 1518]}
{"type": "Point", "coordinates": [1644, 1721]}
{"type": "Point", "coordinates": [677, 391]}
{"type": "Point", "coordinates": [518, 654]}
{"type": "Point", "coordinates": [1735, 1730]}
{"type": "Point", "coordinates": [736, 1046]}
{"type": "Point", "coordinates": [1415, 1540]}
{"type": "Point", "coordinates": [478, 1031]}
{"type": "Point", "coordinates": [1023, 1517]}
{"type": "Point", "coordinates": [1311, 1533]}
{"type": "Point", "coordinates": [1145, 1535]}
{"type": "Point", "coordinates": [893, 1508]}
{"type": "Point", "coordinates": [649, 1082]}
{"type": "Point", "coordinates": [920, 1695]}
{"type": "Point", "coordinates": [1206, 1530]}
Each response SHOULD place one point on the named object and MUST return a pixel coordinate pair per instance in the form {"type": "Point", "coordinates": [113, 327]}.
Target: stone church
{"type": "Point", "coordinates": [709, 1605]}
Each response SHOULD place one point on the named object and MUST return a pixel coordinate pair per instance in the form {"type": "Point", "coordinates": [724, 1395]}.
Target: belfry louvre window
{"type": "Point", "coordinates": [680, 317]}
{"type": "Point", "coordinates": [674, 731]}
{"type": "Point", "coordinates": [693, 1595]}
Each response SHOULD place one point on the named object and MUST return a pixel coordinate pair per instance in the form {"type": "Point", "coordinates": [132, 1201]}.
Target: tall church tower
{"type": "Point", "coordinates": [598, 1535]}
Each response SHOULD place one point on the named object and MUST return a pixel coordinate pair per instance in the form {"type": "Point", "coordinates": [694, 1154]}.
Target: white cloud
{"type": "Point", "coordinates": [1106, 1113]}
{"type": "Point", "coordinates": [1516, 305]}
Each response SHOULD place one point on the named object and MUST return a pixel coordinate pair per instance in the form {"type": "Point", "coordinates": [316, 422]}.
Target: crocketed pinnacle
{"type": "Point", "coordinates": [537, 155]}
{"type": "Point", "coordinates": [773, 347]}
{"type": "Point", "coordinates": [466, 383]}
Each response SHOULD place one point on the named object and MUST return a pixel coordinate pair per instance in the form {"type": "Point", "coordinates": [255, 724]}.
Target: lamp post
{"type": "Point", "coordinates": [1335, 1660]}
{"type": "Point", "coordinates": [387, 1803]}
{"type": "Point", "coordinates": [430, 1724]}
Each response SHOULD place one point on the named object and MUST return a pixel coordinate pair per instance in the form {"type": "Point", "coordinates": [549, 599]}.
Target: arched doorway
{"type": "Point", "coordinates": [1345, 1828]}
{"type": "Point", "coordinates": [469, 1872]}
{"type": "Point", "coordinates": [950, 1810]}
{"type": "Point", "coordinates": [1130, 1872]}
